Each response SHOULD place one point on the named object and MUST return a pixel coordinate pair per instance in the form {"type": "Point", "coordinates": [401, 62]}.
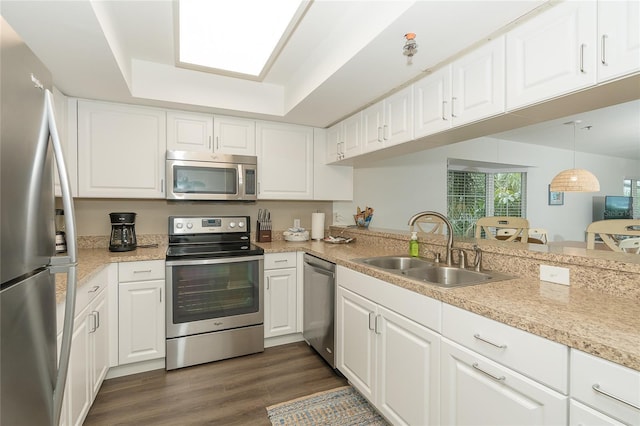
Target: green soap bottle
{"type": "Point", "coordinates": [414, 250]}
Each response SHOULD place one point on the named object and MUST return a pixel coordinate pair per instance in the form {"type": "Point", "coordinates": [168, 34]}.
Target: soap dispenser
{"type": "Point", "coordinates": [414, 250]}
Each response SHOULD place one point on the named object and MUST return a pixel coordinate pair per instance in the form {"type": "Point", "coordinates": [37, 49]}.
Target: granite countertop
{"type": "Point", "coordinates": [604, 325]}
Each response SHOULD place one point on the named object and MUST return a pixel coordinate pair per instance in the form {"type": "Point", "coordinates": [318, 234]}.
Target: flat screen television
{"type": "Point", "coordinates": [618, 207]}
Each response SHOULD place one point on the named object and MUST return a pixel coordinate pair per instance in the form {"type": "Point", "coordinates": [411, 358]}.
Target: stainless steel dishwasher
{"type": "Point", "coordinates": [319, 306]}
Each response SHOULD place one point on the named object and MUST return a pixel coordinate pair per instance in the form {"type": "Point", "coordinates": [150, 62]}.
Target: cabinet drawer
{"type": "Point", "coordinates": [534, 356]}
{"type": "Point", "coordinates": [617, 388]}
{"type": "Point", "coordinates": [280, 260]}
{"type": "Point", "coordinates": [141, 271]}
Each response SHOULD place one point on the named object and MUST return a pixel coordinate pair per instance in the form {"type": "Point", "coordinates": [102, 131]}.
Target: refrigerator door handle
{"type": "Point", "coordinates": [63, 264]}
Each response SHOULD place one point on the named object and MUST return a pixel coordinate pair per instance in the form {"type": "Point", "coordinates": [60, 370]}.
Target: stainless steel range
{"type": "Point", "coordinates": [214, 290]}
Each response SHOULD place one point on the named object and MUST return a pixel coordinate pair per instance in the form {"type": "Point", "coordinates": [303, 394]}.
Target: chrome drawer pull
{"type": "Point", "coordinates": [94, 289]}
{"type": "Point", "coordinates": [486, 373]}
{"type": "Point", "coordinates": [477, 336]}
{"type": "Point", "coordinates": [596, 388]}
{"type": "Point", "coordinates": [144, 271]}
{"type": "Point", "coordinates": [280, 261]}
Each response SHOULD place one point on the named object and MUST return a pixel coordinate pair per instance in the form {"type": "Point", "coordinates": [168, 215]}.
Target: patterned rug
{"type": "Point", "coordinates": [342, 406]}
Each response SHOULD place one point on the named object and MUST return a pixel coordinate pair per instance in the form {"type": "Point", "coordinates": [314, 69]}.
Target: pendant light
{"type": "Point", "coordinates": [575, 180]}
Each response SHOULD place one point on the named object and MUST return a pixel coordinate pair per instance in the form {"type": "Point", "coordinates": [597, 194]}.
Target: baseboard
{"type": "Point", "coordinates": [138, 367]}
{"type": "Point", "coordinates": [283, 340]}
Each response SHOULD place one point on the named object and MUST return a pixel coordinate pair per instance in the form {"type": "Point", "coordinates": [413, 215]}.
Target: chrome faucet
{"type": "Point", "coordinates": [477, 262]}
{"type": "Point", "coordinates": [442, 217]}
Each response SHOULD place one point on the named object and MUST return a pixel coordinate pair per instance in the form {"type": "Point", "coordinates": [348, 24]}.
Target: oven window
{"type": "Point", "coordinates": [205, 180]}
{"type": "Point", "coordinates": [203, 292]}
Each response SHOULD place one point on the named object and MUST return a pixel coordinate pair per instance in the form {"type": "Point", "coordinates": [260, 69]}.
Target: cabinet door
{"type": "Point", "coordinates": [189, 131]}
{"type": "Point", "coordinates": [552, 54]}
{"type": "Point", "coordinates": [334, 138]}
{"type": "Point", "coordinates": [285, 161]}
{"type": "Point", "coordinates": [478, 87]}
{"type": "Point", "coordinates": [398, 117]}
{"type": "Point", "coordinates": [581, 415]}
{"type": "Point", "coordinates": [280, 298]}
{"type": "Point", "coordinates": [408, 368]}
{"type": "Point", "coordinates": [121, 151]}
{"type": "Point", "coordinates": [141, 321]}
{"type": "Point", "coordinates": [98, 341]}
{"type": "Point", "coordinates": [236, 136]}
{"type": "Point", "coordinates": [477, 391]}
{"type": "Point", "coordinates": [356, 341]}
{"type": "Point", "coordinates": [77, 394]}
{"type": "Point", "coordinates": [432, 109]}
{"type": "Point", "coordinates": [618, 38]}
{"type": "Point", "coordinates": [372, 127]}
{"type": "Point", "coordinates": [330, 182]}
{"type": "Point", "coordinates": [353, 130]}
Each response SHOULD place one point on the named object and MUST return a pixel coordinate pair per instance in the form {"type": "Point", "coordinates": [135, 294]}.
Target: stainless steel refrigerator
{"type": "Point", "coordinates": [31, 378]}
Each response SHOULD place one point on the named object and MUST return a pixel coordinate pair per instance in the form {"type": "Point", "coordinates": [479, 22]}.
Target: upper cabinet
{"type": "Point", "coordinates": [618, 38]}
{"type": "Point", "coordinates": [234, 135]}
{"type": "Point", "coordinates": [285, 161]}
{"type": "Point", "coordinates": [329, 182]}
{"type": "Point", "coordinates": [188, 131]}
{"type": "Point", "coordinates": [344, 140]}
{"type": "Point", "coordinates": [121, 151]}
{"type": "Point", "coordinates": [388, 122]}
{"type": "Point", "coordinates": [552, 54]}
{"type": "Point", "coordinates": [469, 89]}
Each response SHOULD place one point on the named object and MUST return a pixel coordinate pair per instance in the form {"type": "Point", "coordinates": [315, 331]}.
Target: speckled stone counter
{"type": "Point", "coordinates": [93, 260]}
{"type": "Point", "coordinates": [589, 316]}
{"type": "Point", "coordinates": [606, 325]}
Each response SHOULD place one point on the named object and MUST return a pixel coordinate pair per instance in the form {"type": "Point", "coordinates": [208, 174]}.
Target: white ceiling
{"type": "Point", "coordinates": [343, 56]}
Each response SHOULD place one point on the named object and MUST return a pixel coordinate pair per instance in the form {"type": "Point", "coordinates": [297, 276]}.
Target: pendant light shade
{"type": "Point", "coordinates": [575, 180]}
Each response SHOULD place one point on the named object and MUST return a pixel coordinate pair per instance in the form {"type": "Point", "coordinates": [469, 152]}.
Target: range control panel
{"type": "Point", "coordinates": [207, 224]}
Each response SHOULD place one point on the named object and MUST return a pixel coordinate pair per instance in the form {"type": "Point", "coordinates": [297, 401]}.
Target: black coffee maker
{"type": "Point", "coordinates": [123, 232]}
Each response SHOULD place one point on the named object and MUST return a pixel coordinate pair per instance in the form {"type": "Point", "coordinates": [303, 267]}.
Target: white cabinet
{"type": "Point", "coordinates": [581, 415]}
{"type": "Point", "coordinates": [330, 182]}
{"type": "Point", "coordinates": [188, 131]}
{"type": "Point", "coordinates": [89, 362]}
{"type": "Point", "coordinates": [469, 89]}
{"type": "Point", "coordinates": [618, 38]}
{"type": "Point", "coordinates": [533, 356]}
{"type": "Point", "coordinates": [611, 390]}
{"type": "Point", "coordinates": [344, 140]}
{"type": "Point", "coordinates": [476, 390]}
{"type": "Point", "coordinates": [234, 135]}
{"type": "Point", "coordinates": [280, 296]}
{"type": "Point", "coordinates": [141, 312]}
{"type": "Point", "coordinates": [388, 122]}
{"type": "Point", "coordinates": [385, 351]}
{"type": "Point", "coordinates": [121, 151]}
{"type": "Point", "coordinates": [285, 161]}
{"type": "Point", "coordinates": [552, 54]}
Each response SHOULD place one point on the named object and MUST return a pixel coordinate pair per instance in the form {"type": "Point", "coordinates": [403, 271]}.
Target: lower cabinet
{"type": "Point", "coordinates": [89, 363]}
{"type": "Point", "coordinates": [476, 390]}
{"type": "Point", "coordinates": [141, 313]}
{"type": "Point", "coordinates": [280, 295]}
{"type": "Point", "coordinates": [391, 359]}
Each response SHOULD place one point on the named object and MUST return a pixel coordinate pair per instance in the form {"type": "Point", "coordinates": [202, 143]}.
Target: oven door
{"type": "Point", "coordinates": [205, 295]}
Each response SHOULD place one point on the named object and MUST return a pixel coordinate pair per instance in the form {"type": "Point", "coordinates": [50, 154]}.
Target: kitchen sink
{"type": "Point", "coordinates": [395, 262]}
{"type": "Point", "coordinates": [431, 272]}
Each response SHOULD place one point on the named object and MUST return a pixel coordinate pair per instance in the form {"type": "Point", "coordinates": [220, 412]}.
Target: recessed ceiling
{"type": "Point", "coordinates": [342, 56]}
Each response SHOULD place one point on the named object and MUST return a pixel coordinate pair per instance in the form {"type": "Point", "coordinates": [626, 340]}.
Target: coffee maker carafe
{"type": "Point", "coordinates": [123, 232]}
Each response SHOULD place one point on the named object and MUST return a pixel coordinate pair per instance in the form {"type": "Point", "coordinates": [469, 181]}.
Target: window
{"type": "Point", "coordinates": [632, 189]}
{"type": "Point", "coordinates": [472, 195]}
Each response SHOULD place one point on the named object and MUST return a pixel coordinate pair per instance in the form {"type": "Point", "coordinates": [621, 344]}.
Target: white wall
{"type": "Point", "coordinates": [399, 187]}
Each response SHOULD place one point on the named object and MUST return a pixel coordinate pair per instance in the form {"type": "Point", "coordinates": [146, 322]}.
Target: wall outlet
{"type": "Point", "coordinates": [554, 274]}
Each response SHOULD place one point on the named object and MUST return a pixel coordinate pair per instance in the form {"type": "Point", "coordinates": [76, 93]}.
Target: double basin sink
{"type": "Point", "coordinates": [431, 272]}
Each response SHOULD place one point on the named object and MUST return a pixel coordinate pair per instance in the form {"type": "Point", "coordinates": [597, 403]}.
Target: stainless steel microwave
{"type": "Point", "coordinates": [209, 176]}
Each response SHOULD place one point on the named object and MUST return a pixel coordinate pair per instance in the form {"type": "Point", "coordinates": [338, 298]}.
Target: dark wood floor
{"type": "Point", "coordinates": [228, 392]}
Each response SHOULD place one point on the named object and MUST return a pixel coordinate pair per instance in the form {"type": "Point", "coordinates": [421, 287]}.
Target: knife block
{"type": "Point", "coordinates": [262, 235]}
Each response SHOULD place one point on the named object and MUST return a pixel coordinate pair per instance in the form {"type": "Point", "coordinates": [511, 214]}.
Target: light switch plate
{"type": "Point", "coordinates": [554, 274]}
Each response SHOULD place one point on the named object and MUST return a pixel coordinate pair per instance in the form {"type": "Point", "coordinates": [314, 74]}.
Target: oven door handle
{"type": "Point", "coordinates": [212, 261]}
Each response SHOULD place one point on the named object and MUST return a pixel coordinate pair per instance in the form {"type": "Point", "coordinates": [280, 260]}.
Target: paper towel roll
{"type": "Point", "coordinates": [317, 226]}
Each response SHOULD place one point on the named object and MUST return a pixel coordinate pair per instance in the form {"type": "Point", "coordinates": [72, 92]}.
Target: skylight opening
{"type": "Point", "coordinates": [232, 35]}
